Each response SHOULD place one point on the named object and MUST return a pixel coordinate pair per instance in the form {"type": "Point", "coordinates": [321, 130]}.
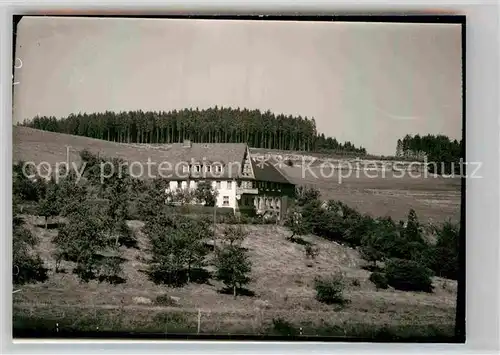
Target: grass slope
{"type": "Point", "coordinates": [281, 280]}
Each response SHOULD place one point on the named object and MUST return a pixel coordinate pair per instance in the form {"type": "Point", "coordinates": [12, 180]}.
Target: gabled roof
{"type": "Point", "coordinates": [229, 155]}
{"type": "Point", "coordinates": [266, 171]}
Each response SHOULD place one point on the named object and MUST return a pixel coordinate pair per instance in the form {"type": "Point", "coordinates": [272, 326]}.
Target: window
{"type": "Point", "coordinates": [178, 185]}
{"type": "Point", "coordinates": [208, 168]}
{"type": "Point", "coordinates": [218, 168]}
{"type": "Point", "coordinates": [197, 168]}
{"type": "Point", "coordinates": [229, 185]}
{"type": "Point", "coordinates": [225, 201]}
{"type": "Point", "coordinates": [185, 169]}
{"type": "Point", "coordinates": [217, 184]}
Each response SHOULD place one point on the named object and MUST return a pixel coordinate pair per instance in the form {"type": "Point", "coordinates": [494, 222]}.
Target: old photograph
{"type": "Point", "coordinates": [235, 178]}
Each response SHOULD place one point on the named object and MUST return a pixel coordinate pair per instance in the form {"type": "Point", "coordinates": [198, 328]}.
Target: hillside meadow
{"type": "Point", "coordinates": [281, 289]}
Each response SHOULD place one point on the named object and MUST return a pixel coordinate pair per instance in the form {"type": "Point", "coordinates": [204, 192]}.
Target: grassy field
{"type": "Point", "coordinates": [435, 199]}
{"type": "Point", "coordinates": [281, 280]}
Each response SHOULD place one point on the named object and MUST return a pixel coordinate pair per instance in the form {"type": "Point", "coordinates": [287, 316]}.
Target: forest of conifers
{"type": "Point", "coordinates": [226, 125]}
{"type": "Point", "coordinates": [435, 147]}
{"type": "Point", "coordinates": [214, 125]}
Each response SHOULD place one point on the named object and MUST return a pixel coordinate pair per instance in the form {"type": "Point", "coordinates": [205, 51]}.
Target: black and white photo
{"type": "Point", "coordinates": [239, 178]}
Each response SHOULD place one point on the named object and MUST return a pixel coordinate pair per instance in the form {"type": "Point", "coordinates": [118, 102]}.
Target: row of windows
{"type": "Point", "coordinates": [270, 185]}
{"type": "Point", "coordinates": [207, 168]}
{"type": "Point", "coordinates": [218, 184]}
{"type": "Point", "coordinates": [262, 202]}
{"type": "Point", "coordinates": [243, 184]}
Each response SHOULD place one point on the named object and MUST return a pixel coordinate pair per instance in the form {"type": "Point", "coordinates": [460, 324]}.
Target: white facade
{"type": "Point", "coordinates": [226, 190]}
{"type": "Point", "coordinates": [226, 193]}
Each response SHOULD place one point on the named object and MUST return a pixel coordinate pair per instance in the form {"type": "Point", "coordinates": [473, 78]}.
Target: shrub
{"type": "Point", "coordinates": [27, 266]}
{"type": "Point", "coordinates": [305, 194]}
{"type": "Point", "coordinates": [311, 251]}
{"type": "Point", "coordinates": [329, 290]}
{"type": "Point", "coordinates": [205, 193]}
{"type": "Point", "coordinates": [446, 262]}
{"type": "Point", "coordinates": [165, 300]}
{"type": "Point", "coordinates": [407, 275]}
{"type": "Point", "coordinates": [379, 279]}
{"type": "Point", "coordinates": [283, 327]}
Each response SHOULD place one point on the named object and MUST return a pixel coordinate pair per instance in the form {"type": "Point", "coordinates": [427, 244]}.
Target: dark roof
{"type": "Point", "coordinates": [229, 155]}
{"type": "Point", "coordinates": [266, 171]}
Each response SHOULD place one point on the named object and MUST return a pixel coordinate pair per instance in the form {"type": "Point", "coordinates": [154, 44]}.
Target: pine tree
{"type": "Point", "coordinates": [413, 229]}
{"type": "Point", "coordinates": [399, 148]}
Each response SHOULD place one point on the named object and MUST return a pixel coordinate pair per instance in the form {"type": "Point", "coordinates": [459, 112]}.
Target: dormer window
{"type": "Point", "coordinates": [208, 168]}
{"type": "Point", "coordinates": [197, 168]}
{"type": "Point", "coordinates": [185, 169]}
{"type": "Point", "coordinates": [218, 168]}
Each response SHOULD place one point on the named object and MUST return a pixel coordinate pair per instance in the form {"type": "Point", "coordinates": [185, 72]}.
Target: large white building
{"type": "Point", "coordinates": [244, 184]}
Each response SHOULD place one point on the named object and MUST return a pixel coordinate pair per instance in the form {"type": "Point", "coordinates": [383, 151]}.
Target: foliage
{"type": "Point", "coordinates": [177, 246]}
{"type": "Point", "coordinates": [305, 194]}
{"type": "Point", "coordinates": [408, 275]}
{"type": "Point", "coordinates": [52, 204]}
{"type": "Point", "coordinates": [234, 234]}
{"type": "Point", "coordinates": [165, 300]}
{"type": "Point", "coordinates": [72, 194]}
{"type": "Point", "coordinates": [283, 327]}
{"type": "Point", "coordinates": [445, 261]}
{"type": "Point", "coordinates": [118, 194]}
{"type": "Point", "coordinates": [153, 199]}
{"type": "Point", "coordinates": [413, 230]}
{"type": "Point", "coordinates": [357, 226]}
{"type": "Point", "coordinates": [379, 279]}
{"type": "Point", "coordinates": [27, 266]}
{"type": "Point", "coordinates": [330, 290]}
{"type": "Point", "coordinates": [312, 251]}
{"type": "Point", "coordinates": [27, 189]}
{"type": "Point", "coordinates": [380, 241]}
{"type": "Point", "coordinates": [370, 250]}
{"type": "Point", "coordinates": [377, 238]}
{"type": "Point", "coordinates": [85, 241]}
{"type": "Point", "coordinates": [212, 125]}
{"type": "Point", "coordinates": [205, 193]}
{"type": "Point", "coordinates": [443, 153]}
{"type": "Point", "coordinates": [233, 266]}
{"type": "Point", "coordinates": [296, 223]}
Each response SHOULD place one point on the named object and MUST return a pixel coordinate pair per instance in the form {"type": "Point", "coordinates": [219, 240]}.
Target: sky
{"type": "Point", "coordinates": [367, 83]}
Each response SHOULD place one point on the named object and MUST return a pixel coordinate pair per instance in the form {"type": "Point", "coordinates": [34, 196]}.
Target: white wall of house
{"type": "Point", "coordinates": [226, 196]}
{"type": "Point", "coordinates": [226, 189]}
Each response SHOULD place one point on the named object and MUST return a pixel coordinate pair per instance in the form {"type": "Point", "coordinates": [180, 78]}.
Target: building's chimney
{"type": "Point", "coordinates": [186, 143]}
